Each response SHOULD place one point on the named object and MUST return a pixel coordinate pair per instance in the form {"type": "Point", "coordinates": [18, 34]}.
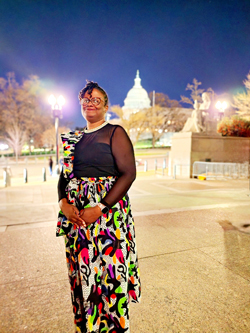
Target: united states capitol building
{"type": "Point", "coordinates": [137, 99]}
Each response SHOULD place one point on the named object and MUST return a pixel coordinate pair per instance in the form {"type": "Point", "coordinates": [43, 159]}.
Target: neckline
{"type": "Point", "coordinates": [85, 130]}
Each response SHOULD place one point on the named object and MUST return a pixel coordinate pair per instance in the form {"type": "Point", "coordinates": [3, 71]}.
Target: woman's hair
{"type": "Point", "coordinates": [89, 88]}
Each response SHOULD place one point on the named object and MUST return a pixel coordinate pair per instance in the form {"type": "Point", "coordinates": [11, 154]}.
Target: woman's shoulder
{"type": "Point", "coordinates": [71, 135]}
{"type": "Point", "coordinates": [115, 126]}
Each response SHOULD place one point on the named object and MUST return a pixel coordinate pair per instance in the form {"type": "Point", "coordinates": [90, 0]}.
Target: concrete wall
{"type": "Point", "coordinates": [190, 147]}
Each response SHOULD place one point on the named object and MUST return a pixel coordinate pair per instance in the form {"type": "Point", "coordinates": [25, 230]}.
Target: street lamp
{"type": "Point", "coordinates": [221, 106]}
{"type": "Point", "coordinates": [56, 106]}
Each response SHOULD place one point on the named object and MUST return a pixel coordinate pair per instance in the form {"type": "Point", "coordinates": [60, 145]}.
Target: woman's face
{"type": "Point", "coordinates": [94, 113]}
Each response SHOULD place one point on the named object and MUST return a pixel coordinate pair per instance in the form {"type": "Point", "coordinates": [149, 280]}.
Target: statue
{"type": "Point", "coordinates": [201, 113]}
{"type": "Point", "coordinates": [194, 123]}
{"type": "Point", "coordinates": [206, 101]}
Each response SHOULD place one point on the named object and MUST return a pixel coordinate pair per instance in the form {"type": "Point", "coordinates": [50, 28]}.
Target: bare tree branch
{"type": "Point", "coordinates": [15, 138]}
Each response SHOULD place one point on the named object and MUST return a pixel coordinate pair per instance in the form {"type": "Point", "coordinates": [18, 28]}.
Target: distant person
{"type": "Point", "coordinates": [96, 220]}
{"type": "Point", "coordinates": [50, 165]}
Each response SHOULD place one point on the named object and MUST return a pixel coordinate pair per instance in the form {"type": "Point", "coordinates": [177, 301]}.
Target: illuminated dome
{"type": "Point", "coordinates": [137, 97]}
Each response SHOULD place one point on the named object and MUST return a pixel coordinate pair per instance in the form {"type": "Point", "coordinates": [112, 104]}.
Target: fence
{"type": "Point", "coordinates": [221, 170]}
{"type": "Point", "coordinates": [160, 168]}
{"type": "Point", "coordinates": [181, 170]}
{"type": "Point", "coordinates": [29, 159]}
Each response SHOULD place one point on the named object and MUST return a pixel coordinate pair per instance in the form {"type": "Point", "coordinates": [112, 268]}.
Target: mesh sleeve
{"type": "Point", "coordinates": [123, 153]}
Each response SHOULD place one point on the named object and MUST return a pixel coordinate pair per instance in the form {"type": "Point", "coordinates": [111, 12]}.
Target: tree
{"type": "Point", "coordinates": [16, 138]}
{"type": "Point", "coordinates": [48, 137]}
{"type": "Point", "coordinates": [196, 93]}
{"type": "Point", "coordinates": [165, 116]}
{"type": "Point", "coordinates": [234, 126]}
{"type": "Point", "coordinates": [163, 100]}
{"type": "Point", "coordinates": [160, 120]}
{"type": "Point", "coordinates": [242, 100]}
{"type": "Point", "coordinates": [134, 124]}
{"type": "Point", "coordinates": [20, 107]}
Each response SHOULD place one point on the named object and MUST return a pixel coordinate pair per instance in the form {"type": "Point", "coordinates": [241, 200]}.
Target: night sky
{"type": "Point", "coordinates": [170, 42]}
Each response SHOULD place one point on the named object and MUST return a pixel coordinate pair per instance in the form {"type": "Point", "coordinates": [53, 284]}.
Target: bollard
{"type": "Point", "coordinates": [6, 176]}
{"type": "Point", "coordinates": [174, 172]}
{"type": "Point", "coordinates": [164, 164]}
{"type": "Point", "coordinates": [25, 175]}
{"type": "Point", "coordinates": [5, 181]}
{"type": "Point", "coordinates": [56, 170]}
{"type": "Point", "coordinates": [155, 164]}
{"type": "Point", "coordinates": [44, 174]}
{"type": "Point", "coordinates": [146, 166]}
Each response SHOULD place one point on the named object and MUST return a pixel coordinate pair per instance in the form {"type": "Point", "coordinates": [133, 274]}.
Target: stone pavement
{"type": "Point", "coordinates": [193, 256]}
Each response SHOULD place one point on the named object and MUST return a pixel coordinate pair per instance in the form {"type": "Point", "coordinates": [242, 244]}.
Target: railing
{"type": "Point", "coordinates": [160, 168]}
{"type": "Point", "coordinates": [221, 170]}
{"type": "Point", "coordinates": [181, 170]}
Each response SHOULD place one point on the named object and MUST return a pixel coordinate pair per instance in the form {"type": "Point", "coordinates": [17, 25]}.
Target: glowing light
{"type": "Point", "coordinates": [52, 100]}
{"type": "Point", "coordinates": [221, 106]}
{"type": "Point", "coordinates": [3, 146]}
{"type": "Point", "coordinates": [61, 100]}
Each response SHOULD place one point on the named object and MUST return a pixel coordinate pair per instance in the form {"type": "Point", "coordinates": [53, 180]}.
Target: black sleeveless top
{"type": "Point", "coordinates": [93, 154]}
{"type": "Point", "coordinates": [105, 152]}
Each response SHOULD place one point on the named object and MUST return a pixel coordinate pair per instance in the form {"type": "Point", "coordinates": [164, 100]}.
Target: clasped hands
{"type": "Point", "coordinates": [81, 218]}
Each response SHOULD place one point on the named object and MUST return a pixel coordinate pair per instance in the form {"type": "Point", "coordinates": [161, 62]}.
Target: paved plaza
{"type": "Point", "coordinates": [193, 256]}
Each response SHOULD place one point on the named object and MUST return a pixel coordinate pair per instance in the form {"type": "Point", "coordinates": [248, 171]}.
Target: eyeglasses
{"type": "Point", "coordinates": [95, 101]}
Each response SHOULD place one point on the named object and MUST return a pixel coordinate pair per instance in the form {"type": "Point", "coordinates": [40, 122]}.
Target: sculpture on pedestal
{"type": "Point", "coordinates": [201, 118]}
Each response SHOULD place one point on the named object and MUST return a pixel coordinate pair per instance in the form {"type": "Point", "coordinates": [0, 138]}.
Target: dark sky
{"type": "Point", "coordinates": [170, 42]}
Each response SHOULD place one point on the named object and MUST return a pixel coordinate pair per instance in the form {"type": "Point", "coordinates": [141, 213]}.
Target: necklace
{"type": "Point", "coordinates": [85, 130]}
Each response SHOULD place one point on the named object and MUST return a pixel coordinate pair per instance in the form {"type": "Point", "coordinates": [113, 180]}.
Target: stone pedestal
{"type": "Point", "coordinates": [189, 147]}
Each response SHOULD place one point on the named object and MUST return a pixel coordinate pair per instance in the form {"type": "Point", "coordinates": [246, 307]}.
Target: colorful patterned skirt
{"type": "Point", "coordinates": [101, 259]}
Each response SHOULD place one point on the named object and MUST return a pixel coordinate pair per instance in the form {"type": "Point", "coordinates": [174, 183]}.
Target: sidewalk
{"type": "Point", "coordinates": [194, 259]}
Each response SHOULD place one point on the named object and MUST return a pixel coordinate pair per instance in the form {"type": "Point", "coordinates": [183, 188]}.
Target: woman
{"type": "Point", "coordinates": [96, 220]}
{"type": "Point", "coordinates": [50, 165]}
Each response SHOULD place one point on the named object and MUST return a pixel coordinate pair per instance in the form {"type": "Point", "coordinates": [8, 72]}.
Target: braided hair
{"type": "Point", "coordinates": [89, 88]}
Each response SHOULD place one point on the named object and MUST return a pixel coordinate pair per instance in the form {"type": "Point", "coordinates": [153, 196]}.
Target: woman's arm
{"type": "Point", "coordinates": [123, 153]}
{"type": "Point", "coordinates": [61, 186]}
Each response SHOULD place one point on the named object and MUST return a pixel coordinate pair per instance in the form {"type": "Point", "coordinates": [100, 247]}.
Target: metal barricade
{"type": "Point", "coordinates": [220, 170]}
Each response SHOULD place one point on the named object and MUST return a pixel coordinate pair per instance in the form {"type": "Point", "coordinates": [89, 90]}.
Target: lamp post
{"type": "Point", "coordinates": [56, 106]}
{"type": "Point", "coordinates": [221, 106]}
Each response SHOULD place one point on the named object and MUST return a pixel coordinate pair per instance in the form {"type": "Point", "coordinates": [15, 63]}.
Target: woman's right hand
{"type": "Point", "coordinates": [72, 213]}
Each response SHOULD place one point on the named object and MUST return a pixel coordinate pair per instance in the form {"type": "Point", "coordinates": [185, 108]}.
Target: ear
{"type": "Point", "coordinates": [106, 108]}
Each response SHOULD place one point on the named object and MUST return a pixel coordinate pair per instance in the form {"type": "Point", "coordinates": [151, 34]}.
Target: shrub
{"type": "Point", "coordinates": [234, 126]}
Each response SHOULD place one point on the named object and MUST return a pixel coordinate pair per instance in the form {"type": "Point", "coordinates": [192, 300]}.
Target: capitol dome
{"type": "Point", "coordinates": [137, 97]}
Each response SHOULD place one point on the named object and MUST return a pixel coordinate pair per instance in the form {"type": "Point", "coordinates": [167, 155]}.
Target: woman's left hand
{"type": "Point", "coordinates": [90, 214]}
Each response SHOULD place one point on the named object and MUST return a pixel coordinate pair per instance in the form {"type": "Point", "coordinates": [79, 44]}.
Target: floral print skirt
{"type": "Point", "coordinates": [101, 258]}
